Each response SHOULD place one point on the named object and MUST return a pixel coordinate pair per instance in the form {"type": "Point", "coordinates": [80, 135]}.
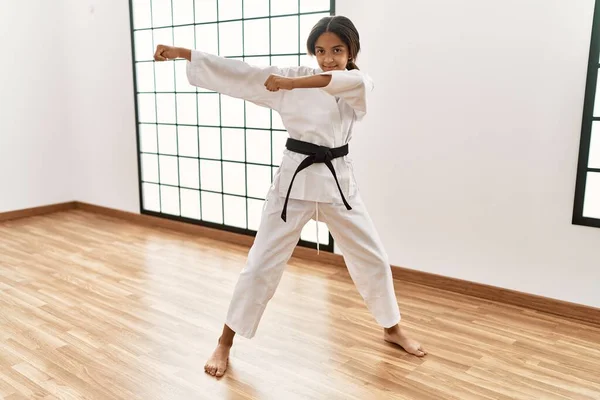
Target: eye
{"type": "Point", "coordinates": [320, 51]}
{"type": "Point", "coordinates": [337, 50]}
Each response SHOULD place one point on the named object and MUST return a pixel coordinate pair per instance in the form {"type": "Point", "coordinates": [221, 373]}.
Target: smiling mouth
{"type": "Point", "coordinates": [330, 68]}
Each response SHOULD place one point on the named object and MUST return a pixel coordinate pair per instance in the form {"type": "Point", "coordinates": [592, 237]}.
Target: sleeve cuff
{"type": "Point", "coordinates": [196, 55]}
{"type": "Point", "coordinates": [342, 81]}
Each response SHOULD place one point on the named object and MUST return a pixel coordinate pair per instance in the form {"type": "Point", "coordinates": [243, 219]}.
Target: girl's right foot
{"type": "Point", "coordinates": [217, 363]}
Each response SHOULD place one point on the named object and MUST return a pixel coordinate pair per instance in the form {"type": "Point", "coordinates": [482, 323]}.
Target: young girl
{"type": "Point", "coordinates": [319, 109]}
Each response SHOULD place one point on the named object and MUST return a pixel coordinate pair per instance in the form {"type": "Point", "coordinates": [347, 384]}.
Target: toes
{"type": "Point", "coordinates": [210, 369]}
{"type": "Point", "coordinates": [419, 352]}
{"type": "Point", "coordinates": [220, 371]}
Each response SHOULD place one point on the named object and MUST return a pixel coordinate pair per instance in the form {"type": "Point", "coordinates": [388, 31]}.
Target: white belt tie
{"type": "Point", "coordinates": [317, 218]}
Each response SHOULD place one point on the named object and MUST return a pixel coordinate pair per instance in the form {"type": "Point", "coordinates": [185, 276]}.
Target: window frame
{"type": "Point", "coordinates": [587, 123]}
{"type": "Point", "coordinates": [220, 226]}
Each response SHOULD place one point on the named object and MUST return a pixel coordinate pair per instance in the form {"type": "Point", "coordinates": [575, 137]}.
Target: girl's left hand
{"type": "Point", "coordinates": [276, 82]}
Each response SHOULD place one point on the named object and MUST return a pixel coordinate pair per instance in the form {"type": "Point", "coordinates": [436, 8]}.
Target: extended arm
{"type": "Point", "coordinates": [231, 77]}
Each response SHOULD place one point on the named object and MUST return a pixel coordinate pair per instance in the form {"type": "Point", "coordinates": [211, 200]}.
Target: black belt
{"type": "Point", "coordinates": [316, 154]}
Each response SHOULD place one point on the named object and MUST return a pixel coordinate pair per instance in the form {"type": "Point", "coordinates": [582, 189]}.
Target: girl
{"type": "Point", "coordinates": [319, 109]}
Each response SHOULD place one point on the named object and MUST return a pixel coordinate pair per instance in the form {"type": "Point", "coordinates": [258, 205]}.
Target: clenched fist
{"type": "Point", "coordinates": [166, 53]}
{"type": "Point", "coordinates": [276, 82]}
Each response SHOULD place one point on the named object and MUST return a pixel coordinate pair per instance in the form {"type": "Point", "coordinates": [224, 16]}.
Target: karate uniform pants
{"type": "Point", "coordinates": [274, 244]}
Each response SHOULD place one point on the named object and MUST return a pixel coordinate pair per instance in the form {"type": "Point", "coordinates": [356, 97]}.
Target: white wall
{"type": "Point", "coordinates": [35, 150]}
{"type": "Point", "coordinates": [477, 108]}
{"type": "Point", "coordinates": [478, 112]}
{"type": "Point", "coordinates": [101, 113]}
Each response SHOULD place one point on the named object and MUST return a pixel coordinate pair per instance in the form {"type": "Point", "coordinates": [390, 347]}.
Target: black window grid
{"type": "Point", "coordinates": [583, 168]}
{"type": "Point", "coordinates": [198, 91]}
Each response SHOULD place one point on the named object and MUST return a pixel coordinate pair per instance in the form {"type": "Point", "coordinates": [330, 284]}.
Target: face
{"type": "Point", "coordinates": [331, 52]}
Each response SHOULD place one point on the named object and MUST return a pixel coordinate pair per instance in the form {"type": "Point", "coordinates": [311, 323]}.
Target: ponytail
{"type": "Point", "coordinates": [350, 66]}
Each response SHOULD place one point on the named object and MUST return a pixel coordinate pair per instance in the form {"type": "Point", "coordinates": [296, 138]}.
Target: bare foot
{"type": "Point", "coordinates": [217, 364]}
{"type": "Point", "coordinates": [397, 336]}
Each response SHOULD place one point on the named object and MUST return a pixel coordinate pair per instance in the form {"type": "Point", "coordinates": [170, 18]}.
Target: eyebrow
{"type": "Point", "coordinates": [321, 47]}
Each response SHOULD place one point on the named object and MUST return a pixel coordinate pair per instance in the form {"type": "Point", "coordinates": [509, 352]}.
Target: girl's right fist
{"type": "Point", "coordinates": [165, 53]}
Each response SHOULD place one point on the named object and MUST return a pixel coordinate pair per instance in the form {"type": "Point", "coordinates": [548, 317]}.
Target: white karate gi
{"type": "Point", "coordinates": [324, 117]}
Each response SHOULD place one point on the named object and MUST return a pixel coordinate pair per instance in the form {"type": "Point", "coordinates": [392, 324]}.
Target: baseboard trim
{"type": "Point", "coordinates": [35, 211]}
{"type": "Point", "coordinates": [559, 308]}
{"type": "Point", "coordinates": [217, 234]}
{"type": "Point", "coordinates": [149, 220]}
{"type": "Point", "coordinates": [556, 307]}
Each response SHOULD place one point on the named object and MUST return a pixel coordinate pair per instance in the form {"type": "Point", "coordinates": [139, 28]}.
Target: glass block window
{"type": "Point", "coordinates": [587, 190]}
{"type": "Point", "coordinates": [204, 157]}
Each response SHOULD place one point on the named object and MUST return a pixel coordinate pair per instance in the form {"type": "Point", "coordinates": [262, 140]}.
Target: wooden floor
{"type": "Point", "coordinates": [97, 308]}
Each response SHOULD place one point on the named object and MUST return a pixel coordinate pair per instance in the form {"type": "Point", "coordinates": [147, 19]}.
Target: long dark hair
{"type": "Point", "coordinates": [342, 27]}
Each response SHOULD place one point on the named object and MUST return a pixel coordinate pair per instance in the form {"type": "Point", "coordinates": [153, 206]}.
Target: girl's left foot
{"type": "Point", "coordinates": [397, 336]}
